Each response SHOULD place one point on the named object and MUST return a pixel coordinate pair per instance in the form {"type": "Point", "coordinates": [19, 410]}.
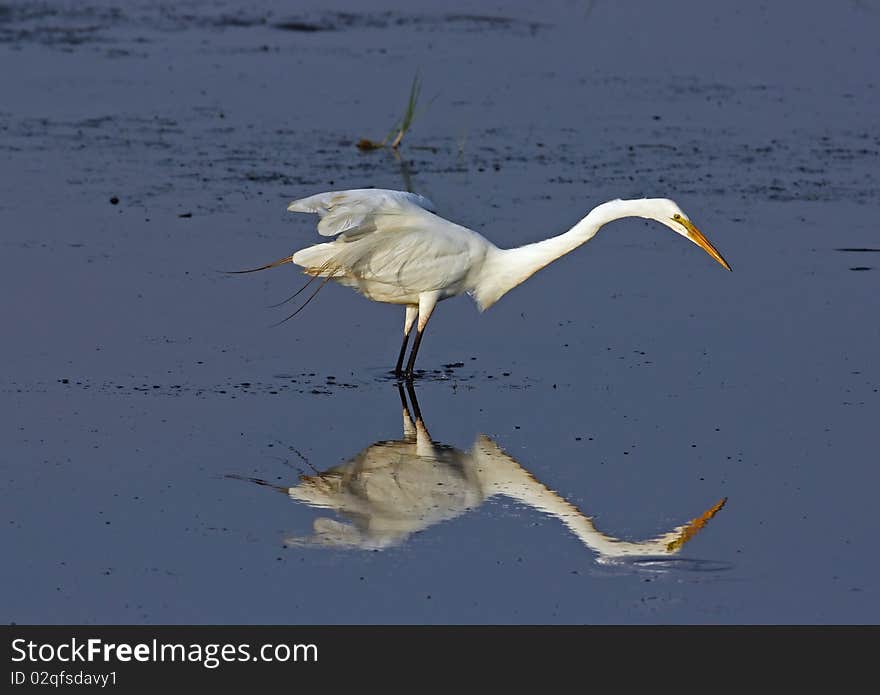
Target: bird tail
{"type": "Point", "coordinates": [273, 264]}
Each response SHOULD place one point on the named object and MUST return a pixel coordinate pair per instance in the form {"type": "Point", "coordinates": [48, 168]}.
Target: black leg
{"type": "Point", "coordinates": [410, 389]}
{"type": "Point", "coordinates": [403, 404]}
{"type": "Point", "coordinates": [398, 368]}
{"type": "Point", "coordinates": [412, 355]}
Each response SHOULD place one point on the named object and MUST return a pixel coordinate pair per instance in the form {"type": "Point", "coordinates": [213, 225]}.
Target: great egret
{"type": "Point", "coordinates": [391, 247]}
{"type": "Point", "coordinates": [393, 489]}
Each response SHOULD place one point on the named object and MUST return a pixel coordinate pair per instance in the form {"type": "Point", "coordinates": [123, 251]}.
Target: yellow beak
{"type": "Point", "coordinates": [696, 236]}
{"type": "Point", "coordinates": [690, 529]}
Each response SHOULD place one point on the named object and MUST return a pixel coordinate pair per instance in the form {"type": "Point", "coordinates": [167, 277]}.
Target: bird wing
{"type": "Point", "coordinates": [390, 243]}
{"type": "Point", "coordinates": [358, 212]}
{"type": "Point", "coordinates": [416, 261]}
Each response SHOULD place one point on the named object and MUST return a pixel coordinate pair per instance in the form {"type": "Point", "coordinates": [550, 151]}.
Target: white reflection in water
{"type": "Point", "coordinates": [393, 489]}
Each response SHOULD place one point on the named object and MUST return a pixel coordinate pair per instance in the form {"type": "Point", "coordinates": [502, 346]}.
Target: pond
{"type": "Point", "coordinates": [633, 435]}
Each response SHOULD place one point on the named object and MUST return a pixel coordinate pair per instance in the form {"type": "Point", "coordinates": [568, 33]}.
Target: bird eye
{"type": "Point", "coordinates": [676, 216]}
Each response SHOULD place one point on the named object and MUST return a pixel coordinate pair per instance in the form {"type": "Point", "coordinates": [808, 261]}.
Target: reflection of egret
{"type": "Point", "coordinates": [405, 172]}
{"type": "Point", "coordinates": [392, 248]}
{"type": "Point", "coordinates": [393, 489]}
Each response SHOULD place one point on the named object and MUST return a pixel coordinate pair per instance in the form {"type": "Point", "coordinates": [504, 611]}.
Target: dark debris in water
{"type": "Point", "coordinates": [303, 384]}
{"type": "Point", "coordinates": [307, 27]}
{"type": "Point", "coordinates": [306, 383]}
{"type": "Point", "coordinates": [61, 27]}
{"type": "Point", "coordinates": [137, 140]}
{"type": "Point", "coordinates": [72, 25]}
{"type": "Point", "coordinates": [339, 21]}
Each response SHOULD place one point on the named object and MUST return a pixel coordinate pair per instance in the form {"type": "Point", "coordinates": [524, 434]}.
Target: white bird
{"type": "Point", "coordinates": [392, 248]}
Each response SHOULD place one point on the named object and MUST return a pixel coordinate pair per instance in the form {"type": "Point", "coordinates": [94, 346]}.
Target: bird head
{"type": "Point", "coordinates": [668, 213]}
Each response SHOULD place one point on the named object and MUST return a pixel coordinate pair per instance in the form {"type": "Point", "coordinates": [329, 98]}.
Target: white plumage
{"type": "Point", "coordinates": [391, 247]}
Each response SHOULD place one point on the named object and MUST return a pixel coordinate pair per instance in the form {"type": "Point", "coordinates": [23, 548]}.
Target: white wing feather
{"type": "Point", "coordinates": [390, 245]}
{"type": "Point", "coordinates": [356, 212]}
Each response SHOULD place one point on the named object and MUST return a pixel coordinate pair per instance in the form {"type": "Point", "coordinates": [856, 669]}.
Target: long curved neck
{"type": "Point", "coordinates": [507, 268]}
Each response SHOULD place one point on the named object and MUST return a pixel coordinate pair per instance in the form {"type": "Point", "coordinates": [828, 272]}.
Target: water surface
{"type": "Point", "coordinates": [625, 391]}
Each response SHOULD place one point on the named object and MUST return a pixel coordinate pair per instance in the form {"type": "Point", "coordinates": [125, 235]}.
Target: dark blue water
{"type": "Point", "coordinates": [621, 394]}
